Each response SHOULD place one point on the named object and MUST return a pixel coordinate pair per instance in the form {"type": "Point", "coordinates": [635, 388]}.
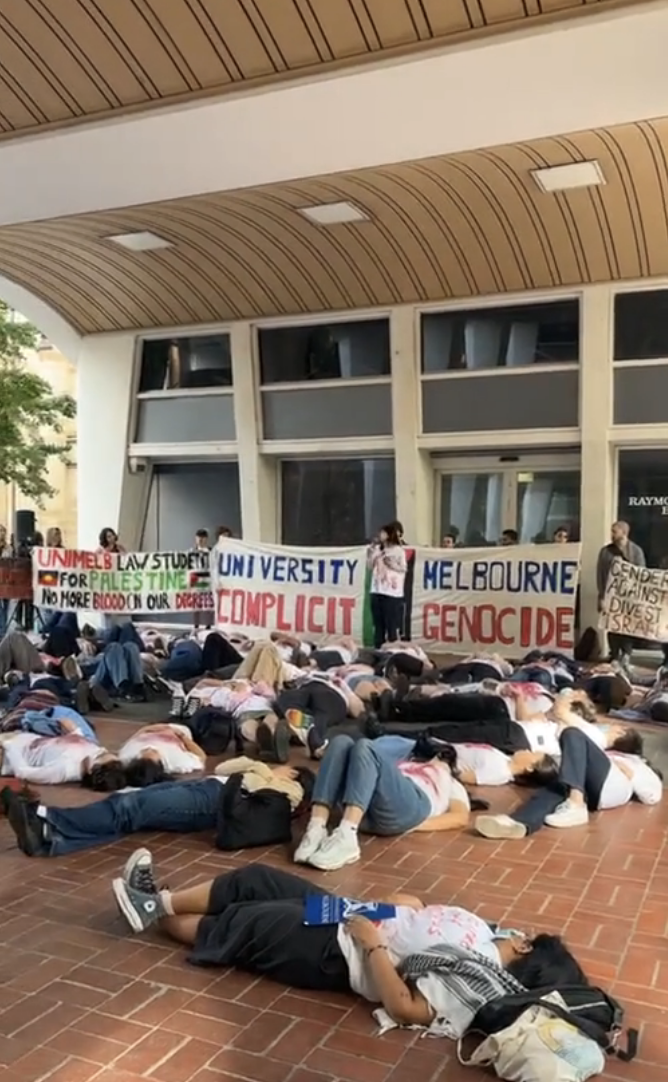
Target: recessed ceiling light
{"type": "Point", "coordinates": [140, 242]}
{"type": "Point", "coordinates": [333, 213]}
{"type": "Point", "coordinates": [562, 178]}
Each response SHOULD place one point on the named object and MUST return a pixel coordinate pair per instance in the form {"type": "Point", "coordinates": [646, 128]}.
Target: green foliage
{"type": "Point", "coordinates": [32, 417]}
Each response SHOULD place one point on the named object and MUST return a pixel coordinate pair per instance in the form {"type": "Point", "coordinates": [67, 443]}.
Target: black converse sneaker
{"type": "Point", "coordinates": [138, 872]}
{"type": "Point", "coordinates": [31, 831]}
{"type": "Point", "coordinates": [140, 910]}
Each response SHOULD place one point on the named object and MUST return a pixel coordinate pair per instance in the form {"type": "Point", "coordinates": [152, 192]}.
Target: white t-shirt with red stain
{"type": "Point", "coordinates": [48, 760]}
{"type": "Point", "coordinates": [489, 765]}
{"type": "Point", "coordinates": [174, 757]}
{"type": "Point", "coordinates": [434, 779]}
{"type": "Point", "coordinates": [415, 930]}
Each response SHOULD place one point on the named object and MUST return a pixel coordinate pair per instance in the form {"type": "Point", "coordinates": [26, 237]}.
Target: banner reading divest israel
{"type": "Point", "coordinates": [506, 600]}
{"type": "Point", "coordinates": [636, 602]}
{"type": "Point", "coordinates": [305, 592]}
{"type": "Point", "coordinates": [122, 582]}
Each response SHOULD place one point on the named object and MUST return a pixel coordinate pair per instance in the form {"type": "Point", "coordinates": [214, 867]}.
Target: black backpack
{"type": "Point", "coordinates": [591, 1010]}
{"type": "Point", "coordinates": [249, 820]}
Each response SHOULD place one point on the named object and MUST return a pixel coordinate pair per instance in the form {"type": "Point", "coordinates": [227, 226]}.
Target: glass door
{"type": "Point", "coordinates": [478, 498]}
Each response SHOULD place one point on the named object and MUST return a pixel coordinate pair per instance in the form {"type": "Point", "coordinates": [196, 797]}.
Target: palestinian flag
{"type": "Point", "coordinates": [200, 580]}
{"type": "Point", "coordinates": [47, 578]}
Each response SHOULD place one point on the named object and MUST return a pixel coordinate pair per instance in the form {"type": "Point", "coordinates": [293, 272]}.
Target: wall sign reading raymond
{"type": "Point", "coordinates": [116, 583]}
{"type": "Point", "coordinates": [303, 592]}
{"type": "Point", "coordinates": [506, 600]}
{"type": "Point", "coordinates": [650, 501]}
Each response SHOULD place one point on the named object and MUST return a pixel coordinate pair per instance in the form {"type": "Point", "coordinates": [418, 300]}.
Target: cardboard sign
{"type": "Point", "coordinates": [322, 909]}
{"type": "Point", "coordinates": [636, 602]}
{"type": "Point", "coordinates": [121, 583]}
{"type": "Point", "coordinates": [15, 579]}
{"type": "Point", "coordinates": [304, 592]}
{"type": "Point", "coordinates": [503, 600]}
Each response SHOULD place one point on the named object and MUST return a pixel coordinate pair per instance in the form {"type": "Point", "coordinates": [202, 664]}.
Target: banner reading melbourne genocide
{"type": "Point", "coordinates": [116, 583]}
{"type": "Point", "coordinates": [506, 600]}
{"type": "Point", "coordinates": [636, 602]}
{"type": "Point", "coordinates": [309, 592]}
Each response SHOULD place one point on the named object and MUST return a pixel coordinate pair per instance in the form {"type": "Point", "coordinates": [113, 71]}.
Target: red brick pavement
{"type": "Point", "coordinates": [80, 999]}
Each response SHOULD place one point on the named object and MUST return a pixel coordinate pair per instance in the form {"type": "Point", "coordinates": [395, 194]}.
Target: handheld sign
{"type": "Point", "coordinates": [322, 909]}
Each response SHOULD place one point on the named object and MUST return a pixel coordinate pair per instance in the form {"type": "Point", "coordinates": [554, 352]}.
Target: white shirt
{"type": "Point", "coordinates": [48, 760]}
{"type": "Point", "coordinates": [542, 736]}
{"type": "Point", "coordinates": [437, 782]}
{"type": "Point", "coordinates": [489, 765]}
{"type": "Point", "coordinates": [537, 703]}
{"type": "Point", "coordinates": [388, 570]}
{"type": "Point", "coordinates": [618, 789]}
{"type": "Point", "coordinates": [173, 756]}
{"type": "Point", "coordinates": [415, 930]}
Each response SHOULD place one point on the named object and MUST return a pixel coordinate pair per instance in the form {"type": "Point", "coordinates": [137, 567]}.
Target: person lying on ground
{"type": "Point", "coordinates": [56, 760]}
{"type": "Point", "coordinates": [179, 807]}
{"type": "Point", "coordinates": [589, 780]}
{"type": "Point", "coordinates": [253, 919]}
{"type": "Point", "coordinates": [163, 748]}
{"type": "Point", "coordinates": [380, 792]}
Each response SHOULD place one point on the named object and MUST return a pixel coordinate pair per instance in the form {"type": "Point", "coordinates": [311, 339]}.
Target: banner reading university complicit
{"type": "Point", "coordinates": [309, 592]}
{"type": "Point", "coordinates": [508, 600]}
{"type": "Point", "coordinates": [115, 583]}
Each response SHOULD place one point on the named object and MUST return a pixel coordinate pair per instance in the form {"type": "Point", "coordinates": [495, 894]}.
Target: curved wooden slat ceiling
{"type": "Point", "coordinates": [67, 61]}
{"type": "Point", "coordinates": [454, 227]}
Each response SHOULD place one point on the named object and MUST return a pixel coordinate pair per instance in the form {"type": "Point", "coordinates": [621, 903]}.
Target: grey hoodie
{"type": "Point", "coordinates": [633, 554]}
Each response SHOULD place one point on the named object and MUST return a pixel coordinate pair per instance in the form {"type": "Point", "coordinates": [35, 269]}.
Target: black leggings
{"type": "Point", "coordinates": [469, 672]}
{"type": "Point", "coordinates": [322, 703]}
{"type": "Point", "coordinates": [506, 736]}
{"type": "Point", "coordinates": [387, 614]}
{"type": "Point", "coordinates": [455, 707]}
{"type": "Point", "coordinates": [256, 923]}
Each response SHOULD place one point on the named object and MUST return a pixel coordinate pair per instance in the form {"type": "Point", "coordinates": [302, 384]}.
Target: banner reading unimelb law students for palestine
{"type": "Point", "coordinates": [304, 592]}
{"type": "Point", "coordinates": [636, 602]}
{"type": "Point", "coordinates": [506, 600]}
{"type": "Point", "coordinates": [116, 583]}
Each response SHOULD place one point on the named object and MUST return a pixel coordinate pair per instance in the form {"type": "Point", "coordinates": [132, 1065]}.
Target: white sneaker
{"type": "Point", "coordinates": [499, 826]}
{"type": "Point", "coordinates": [568, 815]}
{"type": "Point", "coordinates": [316, 835]}
{"type": "Point", "coordinates": [341, 848]}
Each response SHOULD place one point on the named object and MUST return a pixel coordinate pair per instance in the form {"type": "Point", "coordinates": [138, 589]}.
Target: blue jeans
{"type": "Point", "coordinates": [584, 766]}
{"type": "Point", "coordinates": [119, 664]}
{"type": "Point", "coordinates": [181, 807]}
{"type": "Point", "coordinates": [364, 774]}
{"type": "Point", "coordinates": [123, 633]}
{"type": "Point", "coordinates": [185, 662]}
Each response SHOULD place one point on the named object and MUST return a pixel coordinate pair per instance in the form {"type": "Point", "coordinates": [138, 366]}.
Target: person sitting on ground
{"type": "Point", "coordinates": [380, 793]}
{"type": "Point", "coordinates": [590, 779]}
{"type": "Point", "coordinates": [253, 919]}
{"type": "Point", "coordinates": [157, 751]}
{"type": "Point", "coordinates": [179, 807]}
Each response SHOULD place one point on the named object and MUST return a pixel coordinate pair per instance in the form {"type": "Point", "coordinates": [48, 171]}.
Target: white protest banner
{"type": "Point", "coordinates": [308, 592]}
{"type": "Point", "coordinates": [502, 600]}
{"type": "Point", "coordinates": [121, 582]}
{"type": "Point", "coordinates": [636, 601]}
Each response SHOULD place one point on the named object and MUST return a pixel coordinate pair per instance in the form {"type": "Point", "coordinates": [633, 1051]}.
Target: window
{"type": "Point", "coordinates": [338, 501]}
{"type": "Point", "coordinates": [511, 337]}
{"type": "Point", "coordinates": [198, 361]}
{"type": "Point", "coordinates": [643, 501]}
{"type": "Point", "coordinates": [641, 325]}
{"type": "Point", "coordinates": [325, 351]}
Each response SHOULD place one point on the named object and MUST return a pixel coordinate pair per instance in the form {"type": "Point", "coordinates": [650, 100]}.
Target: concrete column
{"type": "Point", "coordinates": [258, 473]}
{"type": "Point", "coordinates": [414, 474]}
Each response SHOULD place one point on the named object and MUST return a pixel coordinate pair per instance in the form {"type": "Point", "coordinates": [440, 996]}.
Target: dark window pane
{"type": "Point", "coordinates": [505, 337]}
{"type": "Point", "coordinates": [643, 501]}
{"type": "Point", "coordinates": [197, 361]}
{"type": "Point", "coordinates": [325, 351]}
{"type": "Point", "coordinates": [641, 325]}
{"type": "Point", "coordinates": [335, 501]}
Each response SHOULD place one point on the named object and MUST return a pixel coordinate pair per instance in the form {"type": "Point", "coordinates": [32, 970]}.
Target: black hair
{"type": "Point", "coordinates": [544, 772]}
{"type": "Point", "coordinates": [223, 531]}
{"type": "Point", "coordinates": [561, 529]}
{"type": "Point", "coordinates": [201, 533]}
{"type": "Point", "coordinates": [629, 743]}
{"type": "Point", "coordinates": [549, 964]}
{"type": "Point", "coordinates": [609, 691]}
{"type": "Point", "coordinates": [512, 535]}
{"type": "Point", "coordinates": [394, 531]}
{"type": "Point", "coordinates": [141, 773]}
{"type": "Point", "coordinates": [305, 778]}
{"type": "Point", "coordinates": [106, 777]}
{"type": "Point", "coordinates": [103, 535]}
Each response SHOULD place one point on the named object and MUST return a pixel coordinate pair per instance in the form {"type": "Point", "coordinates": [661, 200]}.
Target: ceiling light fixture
{"type": "Point", "coordinates": [333, 213]}
{"type": "Point", "coordinates": [140, 242]}
{"type": "Point", "coordinates": [564, 178]}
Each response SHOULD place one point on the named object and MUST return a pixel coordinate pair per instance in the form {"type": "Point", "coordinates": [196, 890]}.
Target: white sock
{"type": "Point", "coordinates": [317, 826]}
{"type": "Point", "coordinates": [166, 899]}
{"type": "Point", "coordinates": [348, 828]}
{"type": "Point", "coordinates": [41, 811]}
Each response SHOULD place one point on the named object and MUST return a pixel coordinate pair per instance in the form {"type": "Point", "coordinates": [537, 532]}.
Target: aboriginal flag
{"type": "Point", "coordinates": [47, 578]}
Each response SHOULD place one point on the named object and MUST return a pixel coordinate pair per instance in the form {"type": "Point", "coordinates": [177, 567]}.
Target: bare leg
{"type": "Point", "coordinates": [183, 928]}
{"type": "Point", "coordinates": [194, 900]}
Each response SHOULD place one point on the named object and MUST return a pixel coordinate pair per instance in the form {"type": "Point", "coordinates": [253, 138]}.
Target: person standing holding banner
{"type": "Point", "coordinates": [621, 546]}
{"type": "Point", "coordinates": [387, 562]}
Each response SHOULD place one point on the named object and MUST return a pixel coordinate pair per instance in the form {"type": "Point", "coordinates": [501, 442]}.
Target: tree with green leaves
{"type": "Point", "coordinates": [32, 417]}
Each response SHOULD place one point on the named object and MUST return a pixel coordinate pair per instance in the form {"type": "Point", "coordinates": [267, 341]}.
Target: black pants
{"type": "Point", "coordinates": [456, 707]}
{"type": "Point", "coordinates": [322, 703]}
{"type": "Point", "coordinates": [469, 672]}
{"type": "Point", "coordinates": [387, 614]}
{"type": "Point", "coordinates": [219, 653]}
{"type": "Point", "coordinates": [507, 736]}
{"type": "Point", "coordinates": [584, 766]}
{"type": "Point", "coordinates": [256, 923]}
{"type": "Point", "coordinates": [620, 646]}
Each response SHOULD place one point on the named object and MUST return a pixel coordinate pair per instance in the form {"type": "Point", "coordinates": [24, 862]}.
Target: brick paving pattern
{"type": "Point", "coordinates": [81, 999]}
